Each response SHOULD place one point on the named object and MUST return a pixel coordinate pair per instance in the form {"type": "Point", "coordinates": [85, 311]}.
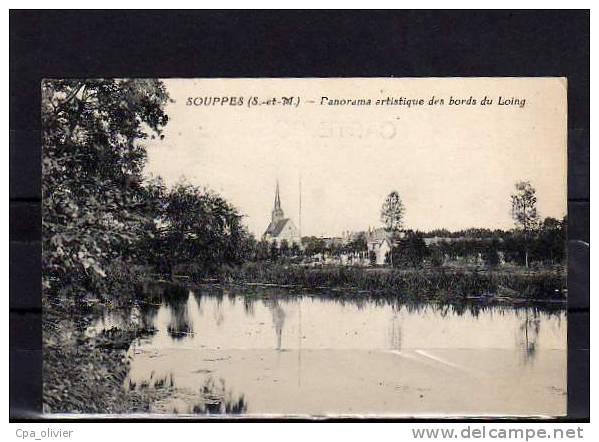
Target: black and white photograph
{"type": "Point", "coordinates": [305, 247]}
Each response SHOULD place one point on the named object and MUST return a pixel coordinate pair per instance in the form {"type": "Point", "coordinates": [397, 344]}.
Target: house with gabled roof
{"type": "Point", "coordinates": [380, 242]}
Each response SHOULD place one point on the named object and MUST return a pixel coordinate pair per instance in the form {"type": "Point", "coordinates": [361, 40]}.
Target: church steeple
{"type": "Point", "coordinates": [277, 197]}
{"type": "Point", "coordinates": [277, 212]}
{"type": "Point", "coordinates": [280, 228]}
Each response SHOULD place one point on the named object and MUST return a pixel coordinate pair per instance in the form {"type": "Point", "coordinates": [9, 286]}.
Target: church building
{"type": "Point", "coordinates": [281, 228]}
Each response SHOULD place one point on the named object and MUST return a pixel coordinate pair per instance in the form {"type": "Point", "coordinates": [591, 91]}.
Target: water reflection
{"type": "Point", "coordinates": [528, 334]}
{"type": "Point", "coordinates": [248, 306]}
{"type": "Point", "coordinates": [153, 381]}
{"type": "Point", "coordinates": [278, 319]}
{"type": "Point", "coordinates": [219, 315]}
{"type": "Point", "coordinates": [216, 399]}
{"type": "Point", "coordinates": [285, 352]}
{"type": "Point", "coordinates": [395, 333]}
{"type": "Point", "coordinates": [197, 318]}
{"type": "Point", "coordinates": [179, 325]}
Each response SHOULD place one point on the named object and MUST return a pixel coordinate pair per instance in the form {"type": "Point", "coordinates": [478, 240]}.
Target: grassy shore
{"type": "Point", "coordinates": [440, 284]}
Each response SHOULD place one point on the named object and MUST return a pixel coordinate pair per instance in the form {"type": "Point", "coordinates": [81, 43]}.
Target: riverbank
{"type": "Point", "coordinates": [87, 361]}
{"type": "Point", "coordinates": [437, 284]}
{"type": "Point", "coordinates": [86, 373]}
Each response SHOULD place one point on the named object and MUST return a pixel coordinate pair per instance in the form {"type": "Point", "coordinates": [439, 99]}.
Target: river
{"type": "Point", "coordinates": [270, 352]}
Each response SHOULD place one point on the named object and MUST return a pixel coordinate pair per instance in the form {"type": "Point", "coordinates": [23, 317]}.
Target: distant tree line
{"type": "Point", "coordinates": [546, 246]}
{"type": "Point", "coordinates": [311, 246]}
{"type": "Point", "coordinates": [531, 240]}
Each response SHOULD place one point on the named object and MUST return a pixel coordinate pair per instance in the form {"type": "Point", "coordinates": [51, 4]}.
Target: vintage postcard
{"type": "Point", "coordinates": [307, 247]}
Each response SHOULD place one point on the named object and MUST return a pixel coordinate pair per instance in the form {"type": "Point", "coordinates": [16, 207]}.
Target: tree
{"type": "Point", "coordinates": [358, 245]}
{"type": "Point", "coordinates": [335, 249]}
{"type": "Point", "coordinates": [284, 248]}
{"type": "Point", "coordinates": [514, 247]}
{"type": "Point", "coordinates": [274, 251]}
{"type": "Point", "coordinates": [262, 251]}
{"type": "Point", "coordinates": [524, 213]}
{"type": "Point", "coordinates": [549, 244]}
{"type": "Point", "coordinates": [149, 244]}
{"type": "Point", "coordinates": [392, 216]}
{"type": "Point", "coordinates": [313, 245]}
{"type": "Point", "coordinates": [201, 228]}
{"type": "Point", "coordinates": [295, 250]}
{"type": "Point", "coordinates": [93, 210]}
{"type": "Point", "coordinates": [392, 213]}
{"type": "Point", "coordinates": [437, 258]}
{"type": "Point", "coordinates": [490, 253]}
{"type": "Point", "coordinates": [411, 250]}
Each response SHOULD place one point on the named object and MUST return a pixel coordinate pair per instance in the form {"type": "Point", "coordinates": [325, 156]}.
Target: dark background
{"type": "Point", "coordinates": [45, 44]}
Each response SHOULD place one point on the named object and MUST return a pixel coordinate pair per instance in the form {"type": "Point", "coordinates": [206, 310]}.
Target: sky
{"type": "Point", "coordinates": [453, 166]}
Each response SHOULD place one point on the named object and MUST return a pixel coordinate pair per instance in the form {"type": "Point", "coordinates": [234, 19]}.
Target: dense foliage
{"type": "Point", "coordinates": [93, 205]}
{"type": "Point", "coordinates": [410, 251]}
{"type": "Point", "coordinates": [195, 230]}
{"type": "Point", "coordinates": [100, 216]}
